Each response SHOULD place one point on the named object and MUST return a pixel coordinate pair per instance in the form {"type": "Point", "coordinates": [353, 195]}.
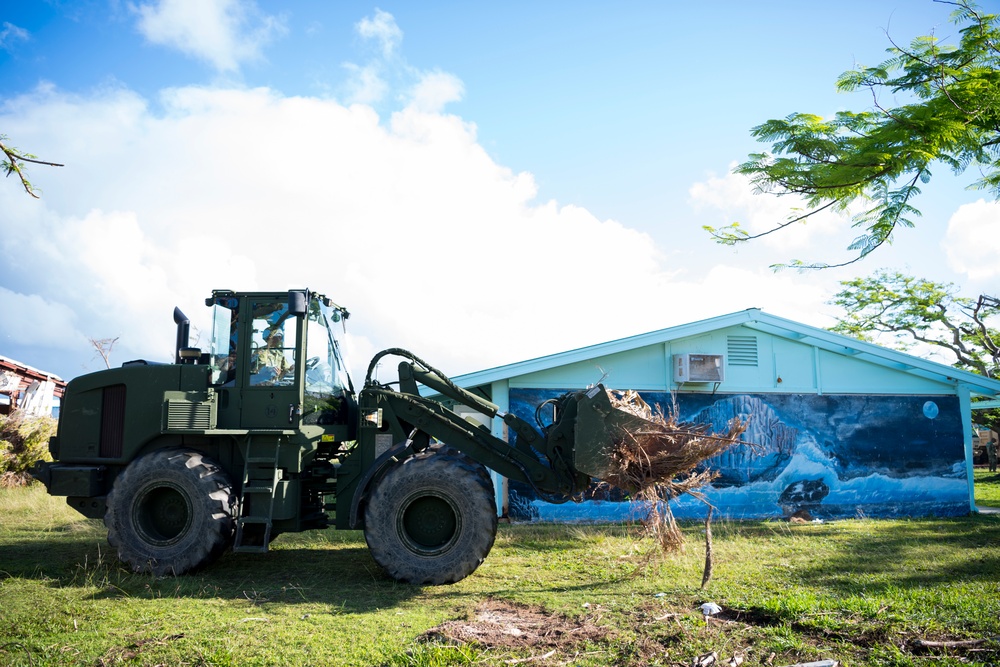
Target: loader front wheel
{"type": "Point", "coordinates": [432, 519]}
{"type": "Point", "coordinates": [170, 512]}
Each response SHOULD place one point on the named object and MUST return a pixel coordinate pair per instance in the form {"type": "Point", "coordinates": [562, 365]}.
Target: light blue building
{"type": "Point", "coordinates": [841, 428]}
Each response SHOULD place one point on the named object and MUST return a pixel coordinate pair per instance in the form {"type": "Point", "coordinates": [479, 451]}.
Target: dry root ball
{"type": "Point", "coordinates": [656, 459]}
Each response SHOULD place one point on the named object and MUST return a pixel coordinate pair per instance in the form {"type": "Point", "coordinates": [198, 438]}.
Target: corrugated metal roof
{"type": "Point", "coordinates": [752, 318]}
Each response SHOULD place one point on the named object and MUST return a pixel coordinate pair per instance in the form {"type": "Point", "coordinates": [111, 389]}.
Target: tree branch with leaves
{"type": "Point", "coordinates": [877, 159]}
{"type": "Point", "coordinates": [13, 163]}
{"type": "Point", "coordinates": [912, 311]}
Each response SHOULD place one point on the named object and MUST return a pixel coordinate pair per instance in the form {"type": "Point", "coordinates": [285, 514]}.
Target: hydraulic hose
{"type": "Point", "coordinates": [400, 352]}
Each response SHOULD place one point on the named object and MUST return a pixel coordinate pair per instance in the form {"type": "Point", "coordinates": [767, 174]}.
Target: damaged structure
{"type": "Point", "coordinates": [28, 389]}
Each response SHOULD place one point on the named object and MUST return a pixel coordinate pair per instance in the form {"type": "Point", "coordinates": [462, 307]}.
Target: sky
{"type": "Point", "coordinates": [478, 183]}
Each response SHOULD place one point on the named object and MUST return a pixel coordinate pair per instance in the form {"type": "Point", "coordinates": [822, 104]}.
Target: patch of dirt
{"type": "Point", "coordinates": [505, 625]}
{"type": "Point", "coordinates": [120, 655]}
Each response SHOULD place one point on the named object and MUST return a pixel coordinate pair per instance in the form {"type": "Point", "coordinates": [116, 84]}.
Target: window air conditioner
{"type": "Point", "coordinates": [699, 368]}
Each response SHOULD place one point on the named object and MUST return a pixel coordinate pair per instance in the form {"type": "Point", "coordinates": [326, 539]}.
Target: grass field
{"type": "Point", "coordinates": [987, 487]}
{"type": "Point", "coordinates": [863, 592]}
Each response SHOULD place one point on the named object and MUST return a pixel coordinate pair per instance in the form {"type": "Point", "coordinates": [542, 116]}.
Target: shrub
{"type": "Point", "coordinates": [23, 440]}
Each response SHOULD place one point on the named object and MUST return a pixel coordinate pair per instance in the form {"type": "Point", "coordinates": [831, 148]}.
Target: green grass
{"type": "Point", "coordinates": [858, 591]}
{"type": "Point", "coordinates": [987, 487]}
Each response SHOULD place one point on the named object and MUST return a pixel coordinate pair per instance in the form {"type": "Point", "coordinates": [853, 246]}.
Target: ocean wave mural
{"type": "Point", "coordinates": [833, 456]}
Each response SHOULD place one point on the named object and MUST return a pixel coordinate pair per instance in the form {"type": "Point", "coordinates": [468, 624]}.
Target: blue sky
{"type": "Point", "coordinates": [478, 182]}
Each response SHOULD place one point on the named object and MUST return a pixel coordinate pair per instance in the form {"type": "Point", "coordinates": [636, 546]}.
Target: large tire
{"type": "Point", "coordinates": [432, 519]}
{"type": "Point", "coordinates": [170, 512]}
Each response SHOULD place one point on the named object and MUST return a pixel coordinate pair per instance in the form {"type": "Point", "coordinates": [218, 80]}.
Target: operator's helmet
{"type": "Point", "coordinates": [277, 334]}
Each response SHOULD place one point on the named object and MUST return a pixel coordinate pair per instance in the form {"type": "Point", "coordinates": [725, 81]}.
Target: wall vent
{"type": "Point", "coordinates": [699, 368]}
{"type": "Point", "coordinates": [742, 350]}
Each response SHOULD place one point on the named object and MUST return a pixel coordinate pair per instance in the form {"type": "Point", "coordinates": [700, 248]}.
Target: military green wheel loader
{"type": "Point", "coordinates": [264, 434]}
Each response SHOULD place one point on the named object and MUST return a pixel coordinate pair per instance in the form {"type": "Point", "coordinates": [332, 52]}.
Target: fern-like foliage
{"type": "Point", "coordinates": [875, 158]}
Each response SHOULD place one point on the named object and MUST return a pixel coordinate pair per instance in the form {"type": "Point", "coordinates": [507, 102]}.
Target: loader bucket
{"type": "Point", "coordinates": [599, 427]}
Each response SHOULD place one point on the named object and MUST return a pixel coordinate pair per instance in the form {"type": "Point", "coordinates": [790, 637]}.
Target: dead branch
{"type": "Point", "coordinates": [958, 643]}
{"type": "Point", "coordinates": [531, 659]}
{"type": "Point", "coordinates": [707, 576]}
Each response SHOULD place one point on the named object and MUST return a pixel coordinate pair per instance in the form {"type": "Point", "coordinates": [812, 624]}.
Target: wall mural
{"type": "Point", "coordinates": [834, 456]}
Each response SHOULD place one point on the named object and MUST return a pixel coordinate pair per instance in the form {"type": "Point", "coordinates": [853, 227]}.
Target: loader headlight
{"type": "Point", "coordinates": [373, 417]}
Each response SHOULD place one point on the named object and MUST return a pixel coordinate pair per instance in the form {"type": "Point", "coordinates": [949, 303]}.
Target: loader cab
{"type": "Point", "coordinates": [276, 360]}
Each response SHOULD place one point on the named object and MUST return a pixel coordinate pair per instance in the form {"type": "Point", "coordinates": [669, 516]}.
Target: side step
{"type": "Point", "coordinates": [260, 481]}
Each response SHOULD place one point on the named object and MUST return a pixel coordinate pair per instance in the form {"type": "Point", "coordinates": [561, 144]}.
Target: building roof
{"type": "Point", "coordinates": [28, 373]}
{"type": "Point", "coordinates": [752, 318]}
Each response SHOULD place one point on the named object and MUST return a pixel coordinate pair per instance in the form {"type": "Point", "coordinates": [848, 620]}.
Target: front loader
{"type": "Point", "coordinates": [264, 434]}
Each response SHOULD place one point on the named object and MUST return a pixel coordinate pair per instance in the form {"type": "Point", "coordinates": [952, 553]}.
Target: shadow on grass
{"type": "Point", "coordinates": [333, 568]}
{"type": "Point", "coordinates": [342, 574]}
{"type": "Point", "coordinates": [914, 554]}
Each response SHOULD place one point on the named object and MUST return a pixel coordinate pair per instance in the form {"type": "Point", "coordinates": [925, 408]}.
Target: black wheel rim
{"type": "Point", "coordinates": [162, 514]}
{"type": "Point", "coordinates": [429, 524]}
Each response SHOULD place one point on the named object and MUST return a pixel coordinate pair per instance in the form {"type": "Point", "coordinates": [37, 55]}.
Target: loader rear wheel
{"type": "Point", "coordinates": [432, 519]}
{"type": "Point", "coordinates": [170, 512]}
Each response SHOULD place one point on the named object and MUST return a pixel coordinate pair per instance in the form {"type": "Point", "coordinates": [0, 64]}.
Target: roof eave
{"type": "Point", "coordinates": [756, 319]}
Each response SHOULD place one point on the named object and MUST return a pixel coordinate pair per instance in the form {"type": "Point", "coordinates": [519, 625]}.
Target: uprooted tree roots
{"type": "Point", "coordinates": [660, 458]}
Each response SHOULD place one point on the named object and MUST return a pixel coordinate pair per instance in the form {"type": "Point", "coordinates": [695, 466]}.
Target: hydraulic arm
{"type": "Point", "coordinates": [555, 459]}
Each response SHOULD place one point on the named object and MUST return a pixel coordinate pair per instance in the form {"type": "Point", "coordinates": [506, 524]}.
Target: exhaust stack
{"type": "Point", "coordinates": [183, 333]}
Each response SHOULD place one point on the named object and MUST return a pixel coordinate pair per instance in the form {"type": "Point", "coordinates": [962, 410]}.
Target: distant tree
{"type": "Point", "coordinates": [12, 163]}
{"type": "Point", "coordinates": [104, 346]}
{"type": "Point", "coordinates": [915, 311]}
{"type": "Point", "coordinates": [879, 157]}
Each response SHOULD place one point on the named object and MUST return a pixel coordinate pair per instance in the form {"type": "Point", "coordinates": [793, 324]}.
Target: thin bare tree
{"type": "Point", "coordinates": [104, 347]}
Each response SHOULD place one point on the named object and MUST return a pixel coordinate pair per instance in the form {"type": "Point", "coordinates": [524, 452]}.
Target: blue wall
{"type": "Point", "coordinates": [836, 456]}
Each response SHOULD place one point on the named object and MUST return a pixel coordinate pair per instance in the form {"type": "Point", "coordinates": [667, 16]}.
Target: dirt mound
{"type": "Point", "coordinates": [505, 625]}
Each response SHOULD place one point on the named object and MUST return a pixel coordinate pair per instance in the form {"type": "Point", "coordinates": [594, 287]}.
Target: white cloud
{"type": "Point", "coordinates": [31, 320]}
{"type": "Point", "coordinates": [11, 34]}
{"type": "Point", "coordinates": [435, 90]}
{"type": "Point", "coordinates": [365, 84]}
{"type": "Point", "coordinates": [388, 72]}
{"type": "Point", "coordinates": [409, 223]}
{"type": "Point", "coordinates": [796, 296]}
{"type": "Point", "coordinates": [733, 197]}
{"type": "Point", "coordinates": [971, 243]}
{"type": "Point", "coordinates": [383, 30]}
{"type": "Point", "coordinates": [223, 33]}
{"type": "Point", "coordinates": [432, 245]}
{"type": "Point", "coordinates": [371, 82]}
